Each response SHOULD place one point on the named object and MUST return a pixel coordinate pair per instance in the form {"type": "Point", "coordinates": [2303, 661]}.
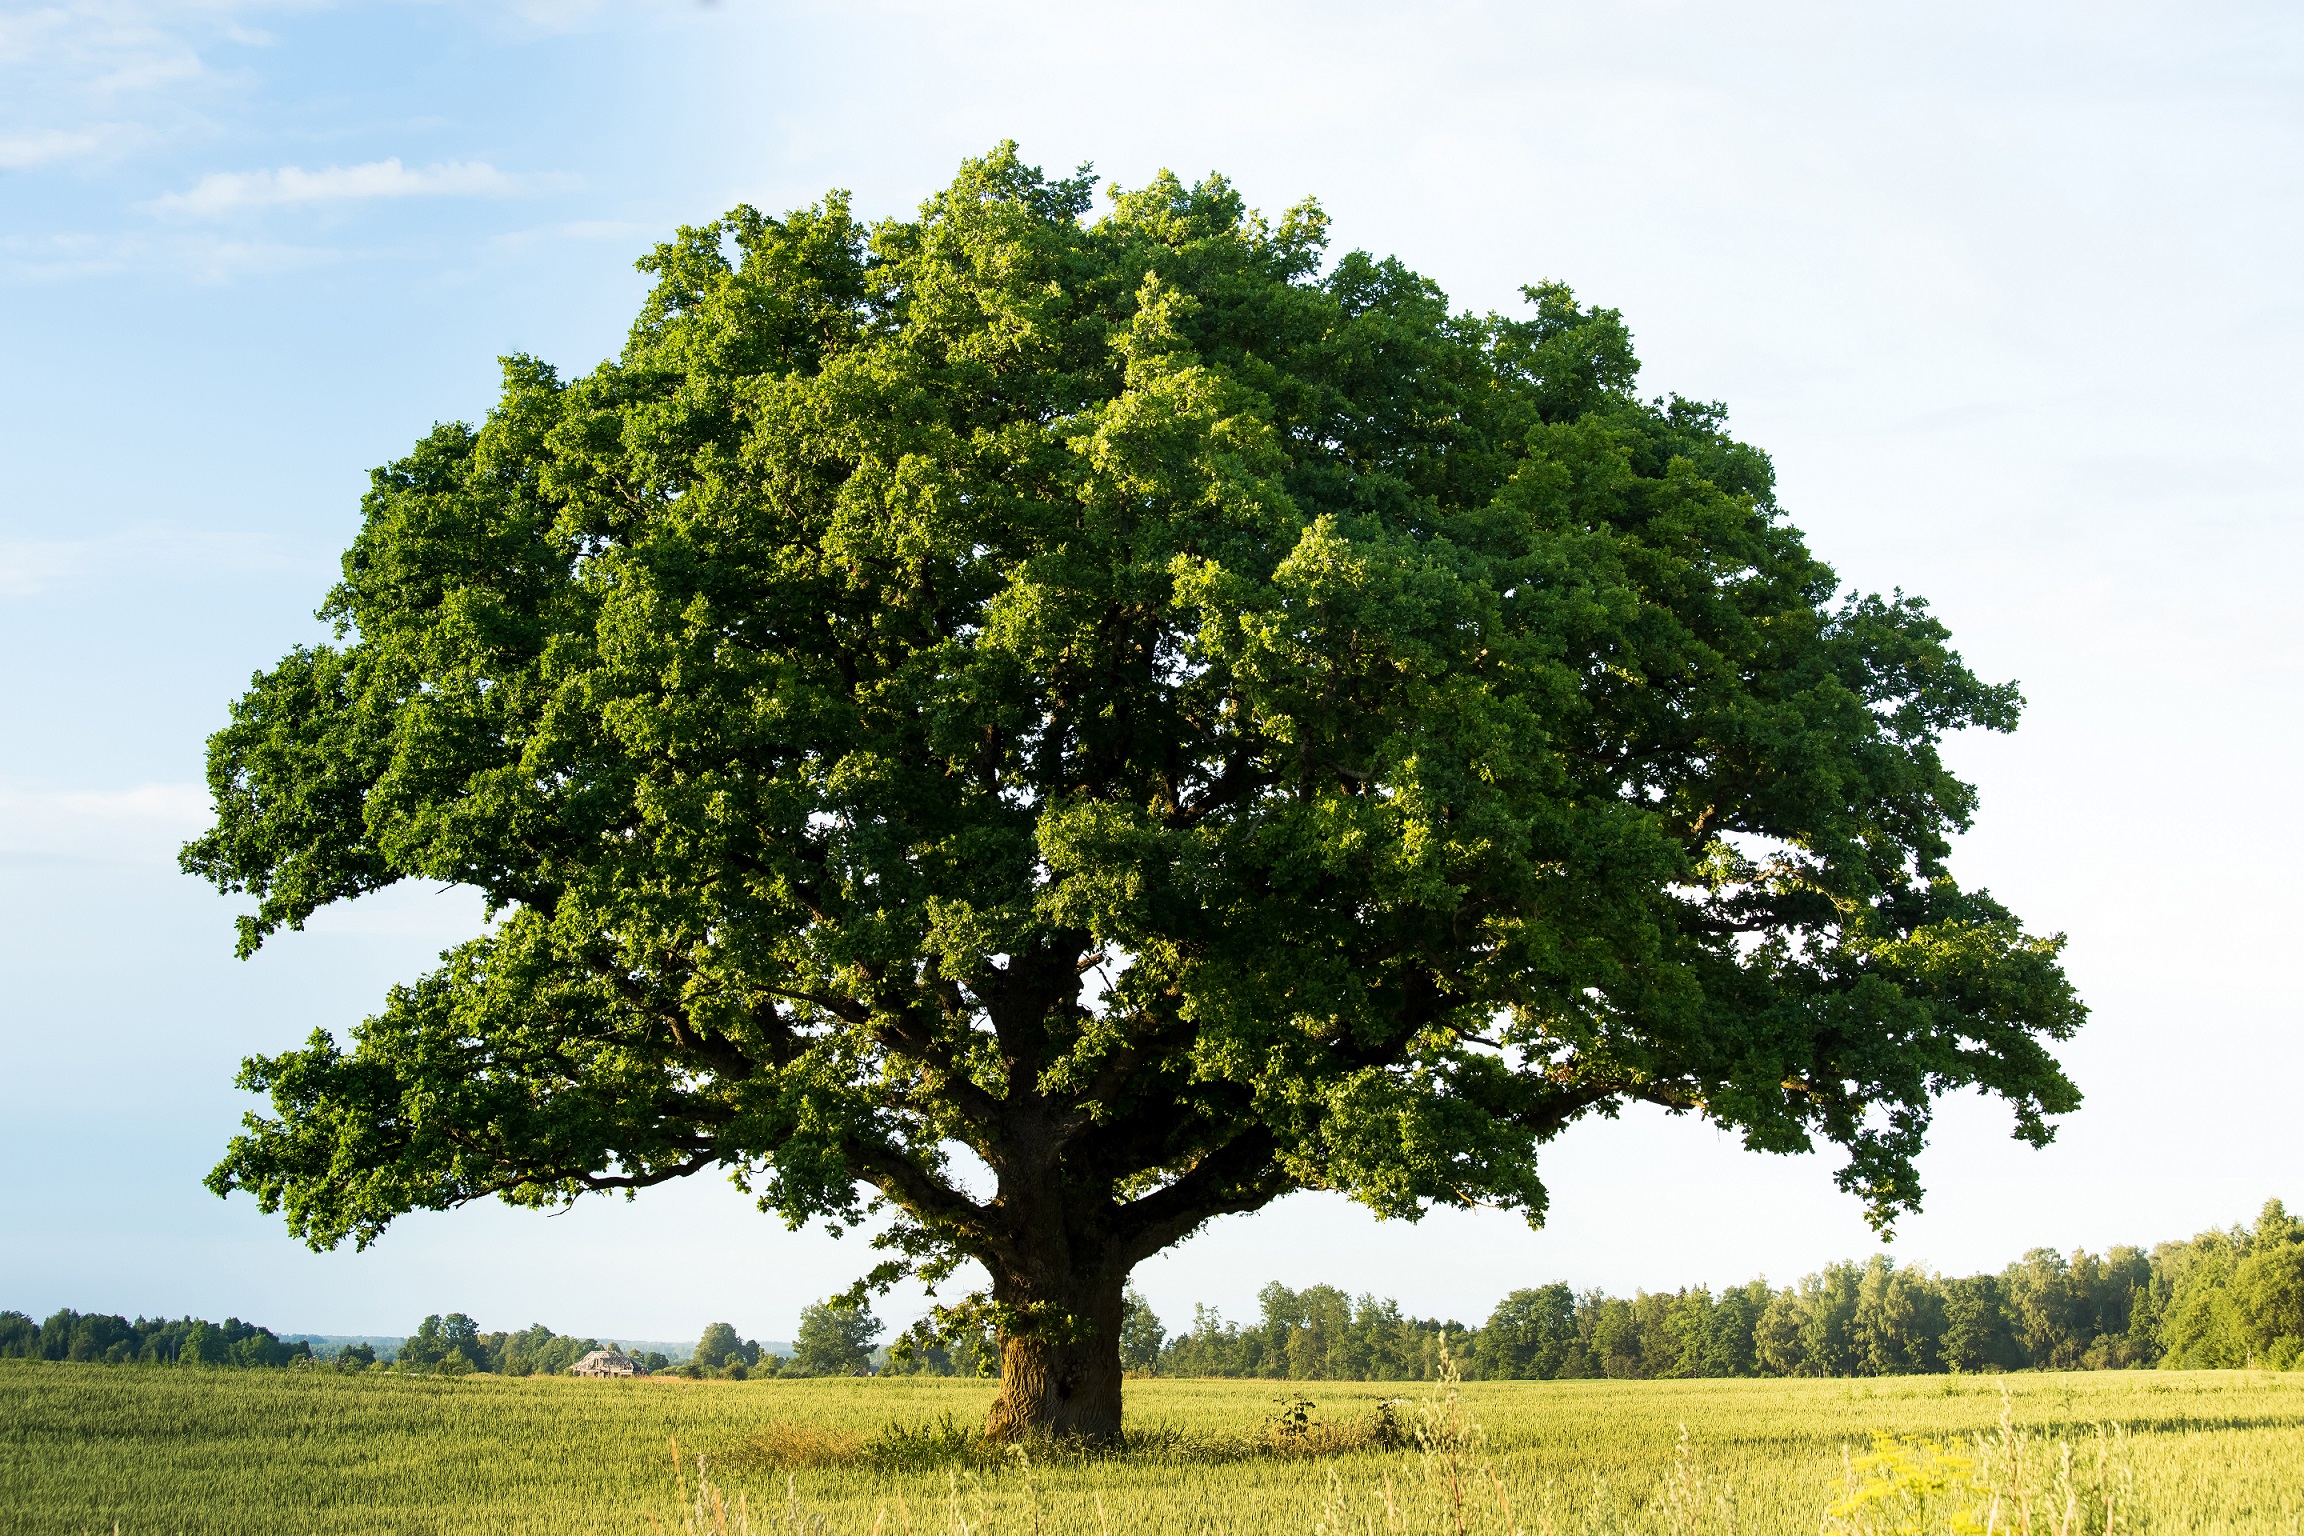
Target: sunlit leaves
{"type": "Point", "coordinates": [1181, 720]}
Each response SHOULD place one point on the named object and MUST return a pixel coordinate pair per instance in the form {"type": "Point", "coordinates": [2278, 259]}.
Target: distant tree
{"type": "Point", "coordinates": [562, 1353]}
{"type": "Point", "coordinates": [1141, 1334]}
{"type": "Point", "coordinates": [205, 1344]}
{"type": "Point", "coordinates": [720, 1345]}
{"type": "Point", "coordinates": [835, 1339]}
{"type": "Point", "coordinates": [1686, 1335]}
{"type": "Point", "coordinates": [1181, 716]}
{"type": "Point", "coordinates": [1729, 1347]}
{"type": "Point", "coordinates": [916, 1353]}
{"type": "Point", "coordinates": [1780, 1338]}
{"type": "Point", "coordinates": [422, 1349]}
{"type": "Point", "coordinates": [1528, 1336]}
{"type": "Point", "coordinates": [1384, 1345]}
{"type": "Point", "coordinates": [2268, 1290]}
{"type": "Point", "coordinates": [100, 1336]}
{"type": "Point", "coordinates": [1976, 1334]}
{"type": "Point", "coordinates": [2047, 1312]}
{"type": "Point", "coordinates": [950, 1347]}
{"type": "Point", "coordinates": [1280, 1314]}
{"type": "Point", "coordinates": [1899, 1322]}
{"type": "Point", "coordinates": [537, 1350]}
{"type": "Point", "coordinates": [1616, 1338]}
{"type": "Point", "coordinates": [109, 1339]}
{"type": "Point", "coordinates": [449, 1344]}
{"type": "Point", "coordinates": [1319, 1347]}
{"type": "Point", "coordinates": [2201, 1327]}
{"type": "Point", "coordinates": [1828, 1319]}
{"type": "Point", "coordinates": [461, 1338]}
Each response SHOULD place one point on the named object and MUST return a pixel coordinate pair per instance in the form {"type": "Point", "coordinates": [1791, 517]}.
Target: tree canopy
{"type": "Point", "coordinates": [835, 1339]}
{"type": "Point", "coordinates": [1180, 716]}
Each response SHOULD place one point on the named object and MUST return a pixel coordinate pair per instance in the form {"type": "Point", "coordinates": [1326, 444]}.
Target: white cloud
{"type": "Point", "coordinates": [32, 567]}
{"type": "Point", "coordinates": [229, 191]}
{"type": "Point", "coordinates": [104, 47]}
{"type": "Point", "coordinates": [143, 824]}
{"type": "Point", "coordinates": [29, 567]}
{"type": "Point", "coordinates": [85, 77]}
{"type": "Point", "coordinates": [148, 73]}
{"type": "Point", "coordinates": [553, 16]}
{"type": "Point", "coordinates": [21, 150]}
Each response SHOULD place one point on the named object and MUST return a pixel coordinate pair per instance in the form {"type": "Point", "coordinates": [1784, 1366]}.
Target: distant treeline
{"type": "Point", "coordinates": [836, 1339]}
{"type": "Point", "coordinates": [114, 1340]}
{"type": "Point", "coordinates": [453, 1345]}
{"type": "Point", "coordinates": [2223, 1299]}
{"type": "Point", "coordinates": [450, 1345]}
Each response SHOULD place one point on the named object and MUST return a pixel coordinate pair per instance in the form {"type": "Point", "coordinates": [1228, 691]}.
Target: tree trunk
{"type": "Point", "coordinates": [1060, 1371]}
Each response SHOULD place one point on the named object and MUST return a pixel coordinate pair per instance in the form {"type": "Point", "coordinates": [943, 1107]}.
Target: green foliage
{"type": "Point", "coordinates": [1532, 1334]}
{"type": "Point", "coordinates": [2223, 1299]}
{"type": "Point", "coordinates": [719, 1342]}
{"type": "Point", "coordinates": [109, 1339]}
{"type": "Point", "coordinates": [947, 1347]}
{"type": "Point", "coordinates": [446, 1344]}
{"type": "Point", "coordinates": [1141, 1334]}
{"type": "Point", "coordinates": [533, 1351]}
{"type": "Point", "coordinates": [2234, 1298]}
{"type": "Point", "coordinates": [721, 1348]}
{"type": "Point", "coordinates": [835, 1339]}
{"type": "Point", "coordinates": [1317, 1334]}
{"type": "Point", "coordinates": [1185, 721]}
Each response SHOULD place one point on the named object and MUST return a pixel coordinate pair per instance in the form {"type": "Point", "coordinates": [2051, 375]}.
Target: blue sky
{"type": "Point", "coordinates": [2012, 298]}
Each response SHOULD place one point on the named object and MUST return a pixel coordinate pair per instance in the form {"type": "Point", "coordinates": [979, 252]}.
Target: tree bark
{"type": "Point", "coordinates": [1060, 1367]}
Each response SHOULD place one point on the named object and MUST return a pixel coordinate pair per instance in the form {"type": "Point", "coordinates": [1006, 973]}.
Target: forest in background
{"type": "Point", "coordinates": [2230, 1297]}
{"type": "Point", "coordinates": [2225, 1298]}
{"type": "Point", "coordinates": [444, 1345]}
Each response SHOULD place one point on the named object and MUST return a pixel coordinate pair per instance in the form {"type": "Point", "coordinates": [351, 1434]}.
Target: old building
{"type": "Point", "coordinates": [607, 1362]}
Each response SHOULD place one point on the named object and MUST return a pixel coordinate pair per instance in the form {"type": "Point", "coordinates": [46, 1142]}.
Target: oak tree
{"type": "Point", "coordinates": [1179, 716]}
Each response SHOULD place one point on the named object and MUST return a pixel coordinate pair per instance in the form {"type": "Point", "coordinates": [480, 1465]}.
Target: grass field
{"type": "Point", "coordinates": [85, 1448]}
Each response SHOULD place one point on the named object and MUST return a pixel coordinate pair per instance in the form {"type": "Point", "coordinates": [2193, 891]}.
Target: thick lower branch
{"type": "Point", "coordinates": [1242, 1175]}
{"type": "Point", "coordinates": [926, 1198]}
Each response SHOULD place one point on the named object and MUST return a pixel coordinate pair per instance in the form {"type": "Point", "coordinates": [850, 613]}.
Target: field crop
{"type": "Point", "coordinates": [85, 1448]}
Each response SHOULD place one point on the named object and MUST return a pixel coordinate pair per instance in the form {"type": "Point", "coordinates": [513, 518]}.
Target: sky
{"type": "Point", "coordinates": [2011, 294]}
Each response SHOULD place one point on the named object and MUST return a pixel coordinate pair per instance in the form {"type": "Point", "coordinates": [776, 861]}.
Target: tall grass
{"type": "Point", "coordinates": [2219, 1454]}
{"type": "Point", "coordinates": [2009, 1483]}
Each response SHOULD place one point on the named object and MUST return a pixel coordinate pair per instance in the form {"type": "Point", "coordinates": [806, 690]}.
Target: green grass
{"type": "Point", "coordinates": [83, 1448]}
